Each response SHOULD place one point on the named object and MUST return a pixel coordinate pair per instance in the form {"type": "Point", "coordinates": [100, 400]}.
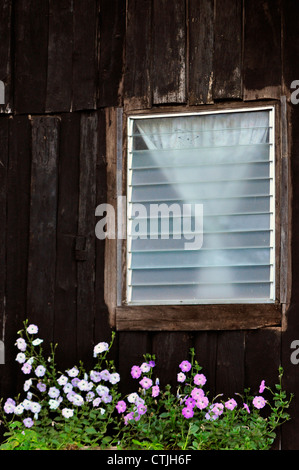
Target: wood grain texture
{"type": "Point", "coordinates": [5, 54]}
{"type": "Point", "coordinates": [137, 73]}
{"type": "Point", "coordinates": [60, 56]}
{"type": "Point", "coordinates": [112, 23]}
{"type": "Point", "coordinates": [227, 63]}
{"type": "Point", "coordinates": [169, 52]}
{"type": "Point", "coordinates": [4, 146]}
{"type": "Point", "coordinates": [201, 51]}
{"type": "Point", "coordinates": [262, 64]}
{"type": "Point", "coordinates": [86, 225]}
{"type": "Point", "coordinates": [43, 221]}
{"type": "Point", "coordinates": [30, 52]}
{"type": "Point", "coordinates": [197, 317]}
{"type": "Point", "coordinates": [85, 37]}
{"type": "Point", "coordinates": [65, 324]}
{"type": "Point", "coordinates": [17, 240]}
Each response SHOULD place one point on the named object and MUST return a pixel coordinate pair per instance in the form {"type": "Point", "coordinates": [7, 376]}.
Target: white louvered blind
{"type": "Point", "coordinates": [222, 162]}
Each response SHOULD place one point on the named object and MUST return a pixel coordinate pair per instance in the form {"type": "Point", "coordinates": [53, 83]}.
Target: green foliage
{"type": "Point", "coordinates": [83, 409]}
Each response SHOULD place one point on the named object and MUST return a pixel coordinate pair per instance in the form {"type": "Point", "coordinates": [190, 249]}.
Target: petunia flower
{"type": "Point", "coordinates": [67, 412]}
{"type": "Point", "coordinates": [32, 329]}
{"type": "Point", "coordinates": [121, 406]}
{"type": "Point", "coordinates": [188, 412]}
{"type": "Point", "coordinates": [262, 386]}
{"type": "Point", "coordinates": [26, 369]}
{"type": "Point", "coordinates": [99, 348]}
{"type": "Point", "coordinates": [28, 422]}
{"type": "Point", "coordinates": [9, 406]}
{"type": "Point", "coordinates": [246, 407]}
{"type": "Point", "coordinates": [200, 379]}
{"type": "Point", "coordinates": [230, 404]}
{"type": "Point", "coordinates": [185, 366]}
{"type": "Point", "coordinates": [181, 377]}
{"type": "Point", "coordinates": [197, 393]}
{"type": "Point", "coordinates": [146, 383]}
{"type": "Point", "coordinates": [135, 372]}
{"type": "Point", "coordinates": [259, 402]}
{"type": "Point", "coordinates": [21, 358]}
{"type": "Point", "coordinates": [114, 378]}
{"type": "Point", "coordinates": [40, 371]}
{"type": "Point", "coordinates": [21, 344]}
{"type": "Point", "coordinates": [73, 372]}
{"type": "Point", "coordinates": [37, 342]}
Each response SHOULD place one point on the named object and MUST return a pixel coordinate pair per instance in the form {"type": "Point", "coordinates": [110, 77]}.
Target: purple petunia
{"type": "Point", "coordinates": [188, 412]}
{"type": "Point", "coordinates": [135, 372]}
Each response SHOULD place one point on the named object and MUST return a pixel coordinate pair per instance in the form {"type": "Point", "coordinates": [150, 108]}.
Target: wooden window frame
{"type": "Point", "coordinates": [196, 316]}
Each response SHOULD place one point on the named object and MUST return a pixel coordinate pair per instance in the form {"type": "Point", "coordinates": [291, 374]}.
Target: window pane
{"type": "Point", "coordinates": [223, 162]}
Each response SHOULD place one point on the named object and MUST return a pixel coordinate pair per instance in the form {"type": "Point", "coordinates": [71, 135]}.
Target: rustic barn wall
{"type": "Point", "coordinates": [64, 63]}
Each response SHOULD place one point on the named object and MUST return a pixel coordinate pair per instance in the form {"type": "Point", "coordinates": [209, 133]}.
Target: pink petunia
{"type": "Point", "coordinates": [146, 383]}
{"type": "Point", "coordinates": [188, 412]}
{"type": "Point", "coordinates": [200, 379]}
{"type": "Point", "coordinates": [262, 386]}
{"type": "Point", "coordinates": [259, 402]}
{"type": "Point", "coordinates": [121, 406]}
{"type": "Point", "coordinates": [197, 393]}
{"type": "Point", "coordinates": [185, 366]}
{"type": "Point", "coordinates": [231, 404]}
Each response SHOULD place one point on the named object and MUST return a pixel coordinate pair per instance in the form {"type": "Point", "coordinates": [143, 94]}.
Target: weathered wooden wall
{"type": "Point", "coordinates": [64, 63]}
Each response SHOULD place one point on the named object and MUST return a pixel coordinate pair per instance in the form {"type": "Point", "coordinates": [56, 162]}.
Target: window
{"type": "Point", "coordinates": [201, 208]}
{"type": "Point", "coordinates": [202, 248]}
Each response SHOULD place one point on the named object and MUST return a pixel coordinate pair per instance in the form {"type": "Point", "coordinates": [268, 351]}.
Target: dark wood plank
{"type": "Point", "coordinates": [4, 145]}
{"type": "Point", "coordinates": [60, 52]}
{"type": "Point", "coordinates": [31, 45]}
{"type": "Point", "coordinates": [262, 49]}
{"type": "Point", "coordinates": [262, 360]}
{"type": "Point", "coordinates": [102, 327]}
{"type": "Point", "coordinates": [43, 220]}
{"type": "Point", "coordinates": [205, 345]}
{"type": "Point", "coordinates": [110, 275]}
{"type": "Point", "coordinates": [262, 348]}
{"type": "Point", "coordinates": [201, 51]}
{"type": "Point", "coordinates": [65, 325]}
{"type": "Point", "coordinates": [111, 50]}
{"type": "Point", "coordinates": [169, 51]}
{"type": "Point", "coordinates": [132, 347]}
{"type": "Point", "coordinates": [230, 375]}
{"type": "Point", "coordinates": [84, 55]}
{"type": "Point", "coordinates": [85, 242]}
{"type": "Point", "coordinates": [170, 350]}
{"type": "Point", "coordinates": [5, 53]}
{"type": "Point", "coordinates": [227, 50]}
{"type": "Point", "coordinates": [17, 230]}
{"type": "Point", "coordinates": [290, 332]}
{"type": "Point", "coordinates": [137, 80]}
{"type": "Point", "coordinates": [197, 317]}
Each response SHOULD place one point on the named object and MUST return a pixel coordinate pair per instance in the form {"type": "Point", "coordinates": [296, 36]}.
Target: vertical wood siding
{"type": "Point", "coordinates": [66, 65]}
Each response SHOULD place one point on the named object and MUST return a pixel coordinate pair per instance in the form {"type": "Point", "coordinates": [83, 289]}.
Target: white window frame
{"type": "Point", "coordinates": [272, 152]}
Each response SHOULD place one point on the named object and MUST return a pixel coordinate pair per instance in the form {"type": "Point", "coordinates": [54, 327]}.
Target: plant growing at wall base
{"type": "Point", "coordinates": [78, 408]}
